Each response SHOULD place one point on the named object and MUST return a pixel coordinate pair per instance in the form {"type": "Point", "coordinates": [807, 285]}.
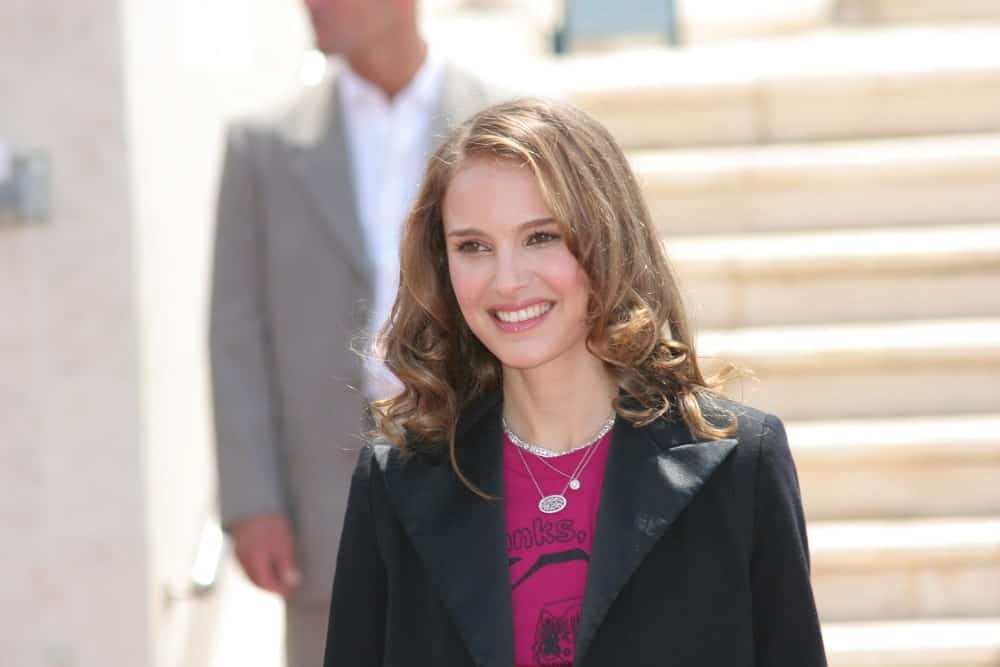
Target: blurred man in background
{"type": "Point", "coordinates": [306, 260]}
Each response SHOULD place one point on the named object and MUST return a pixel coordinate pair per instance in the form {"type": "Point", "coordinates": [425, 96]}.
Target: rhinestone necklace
{"type": "Point", "coordinates": [544, 453]}
{"type": "Point", "coordinates": [556, 502]}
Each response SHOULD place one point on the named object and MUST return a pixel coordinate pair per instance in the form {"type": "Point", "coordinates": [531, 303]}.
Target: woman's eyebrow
{"type": "Point", "coordinates": [471, 231]}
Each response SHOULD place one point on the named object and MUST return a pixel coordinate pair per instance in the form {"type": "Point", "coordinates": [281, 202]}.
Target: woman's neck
{"type": "Point", "coordinates": [558, 407]}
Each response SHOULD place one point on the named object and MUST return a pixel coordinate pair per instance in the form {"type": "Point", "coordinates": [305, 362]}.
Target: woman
{"type": "Point", "coordinates": [557, 483]}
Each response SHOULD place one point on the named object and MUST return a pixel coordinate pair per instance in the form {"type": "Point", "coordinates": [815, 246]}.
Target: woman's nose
{"type": "Point", "coordinates": [512, 271]}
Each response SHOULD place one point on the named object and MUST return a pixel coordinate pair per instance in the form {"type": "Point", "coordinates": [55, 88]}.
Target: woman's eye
{"type": "Point", "coordinates": [542, 237]}
{"type": "Point", "coordinates": [470, 246]}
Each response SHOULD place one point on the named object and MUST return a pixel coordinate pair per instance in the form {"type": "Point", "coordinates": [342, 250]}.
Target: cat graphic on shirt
{"type": "Point", "coordinates": [555, 633]}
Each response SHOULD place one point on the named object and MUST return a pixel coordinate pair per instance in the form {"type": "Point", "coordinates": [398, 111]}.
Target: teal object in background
{"type": "Point", "coordinates": [608, 18]}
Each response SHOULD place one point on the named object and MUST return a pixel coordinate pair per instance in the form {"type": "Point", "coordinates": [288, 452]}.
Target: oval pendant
{"type": "Point", "coordinates": [552, 504]}
{"type": "Point", "coordinates": [574, 484]}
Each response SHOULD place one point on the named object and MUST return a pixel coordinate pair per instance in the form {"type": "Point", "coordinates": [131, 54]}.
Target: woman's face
{"type": "Point", "coordinates": [519, 288]}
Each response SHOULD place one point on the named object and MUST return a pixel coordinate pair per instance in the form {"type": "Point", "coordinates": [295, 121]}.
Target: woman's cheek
{"type": "Point", "coordinates": [467, 283]}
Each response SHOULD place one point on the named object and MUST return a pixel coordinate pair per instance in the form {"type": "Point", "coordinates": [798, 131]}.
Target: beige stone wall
{"type": "Point", "coordinates": [75, 584]}
{"type": "Point", "coordinates": [104, 417]}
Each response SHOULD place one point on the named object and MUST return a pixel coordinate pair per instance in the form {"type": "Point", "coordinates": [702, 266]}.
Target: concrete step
{"type": "Point", "coordinates": [889, 182]}
{"type": "Point", "coordinates": [916, 368]}
{"type": "Point", "coordinates": [931, 643]}
{"type": "Point", "coordinates": [835, 84]}
{"type": "Point", "coordinates": [708, 20]}
{"type": "Point", "coordinates": [849, 275]}
{"type": "Point", "coordinates": [928, 568]}
{"type": "Point", "coordinates": [882, 468]}
{"type": "Point", "coordinates": [883, 11]}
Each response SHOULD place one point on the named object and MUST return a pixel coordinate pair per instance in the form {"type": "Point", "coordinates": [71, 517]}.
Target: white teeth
{"type": "Point", "coordinates": [529, 313]}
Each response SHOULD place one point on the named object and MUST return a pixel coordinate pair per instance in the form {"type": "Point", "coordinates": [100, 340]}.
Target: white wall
{"type": "Point", "coordinates": [104, 417]}
{"type": "Point", "coordinates": [73, 540]}
{"type": "Point", "coordinates": [191, 64]}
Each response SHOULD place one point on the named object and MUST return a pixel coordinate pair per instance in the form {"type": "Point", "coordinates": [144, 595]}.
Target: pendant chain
{"type": "Point", "coordinates": [556, 502]}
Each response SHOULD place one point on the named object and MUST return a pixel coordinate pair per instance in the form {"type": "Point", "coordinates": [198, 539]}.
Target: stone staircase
{"type": "Point", "coordinates": [878, 11]}
{"type": "Point", "coordinates": [831, 201]}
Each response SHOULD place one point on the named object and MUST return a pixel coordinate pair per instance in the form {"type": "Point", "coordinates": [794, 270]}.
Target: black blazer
{"type": "Point", "coordinates": [699, 557]}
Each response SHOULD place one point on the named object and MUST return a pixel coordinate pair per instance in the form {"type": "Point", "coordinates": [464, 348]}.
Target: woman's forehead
{"type": "Point", "coordinates": [493, 192]}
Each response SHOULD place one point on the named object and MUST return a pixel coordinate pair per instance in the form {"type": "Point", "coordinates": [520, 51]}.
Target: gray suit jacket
{"type": "Point", "coordinates": [291, 288]}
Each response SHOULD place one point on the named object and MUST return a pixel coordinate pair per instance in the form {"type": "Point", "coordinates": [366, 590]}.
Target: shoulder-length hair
{"type": "Point", "coordinates": [638, 327]}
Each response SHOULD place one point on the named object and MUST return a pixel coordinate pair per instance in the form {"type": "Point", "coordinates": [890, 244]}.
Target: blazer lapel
{"type": "Point", "coordinates": [324, 165]}
{"type": "Point", "coordinates": [460, 537]}
{"type": "Point", "coordinates": [652, 474]}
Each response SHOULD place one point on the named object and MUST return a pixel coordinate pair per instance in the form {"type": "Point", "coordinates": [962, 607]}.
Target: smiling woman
{"type": "Point", "coordinates": [557, 483]}
{"type": "Point", "coordinates": [528, 202]}
{"type": "Point", "coordinates": [519, 288]}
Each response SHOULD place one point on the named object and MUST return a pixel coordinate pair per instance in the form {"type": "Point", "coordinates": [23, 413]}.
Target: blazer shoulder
{"type": "Point", "coordinates": [382, 453]}
{"type": "Point", "coordinates": [751, 423]}
{"type": "Point", "coordinates": [762, 442]}
{"type": "Point", "coordinates": [483, 91]}
{"type": "Point", "coordinates": [287, 120]}
{"type": "Point", "coordinates": [390, 459]}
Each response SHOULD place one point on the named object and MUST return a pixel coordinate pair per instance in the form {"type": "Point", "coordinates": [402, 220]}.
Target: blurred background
{"type": "Point", "coordinates": [825, 175]}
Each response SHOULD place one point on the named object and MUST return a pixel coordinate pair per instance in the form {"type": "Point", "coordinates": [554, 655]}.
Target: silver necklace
{"type": "Point", "coordinates": [574, 483]}
{"type": "Point", "coordinates": [556, 502]}
{"type": "Point", "coordinates": [544, 453]}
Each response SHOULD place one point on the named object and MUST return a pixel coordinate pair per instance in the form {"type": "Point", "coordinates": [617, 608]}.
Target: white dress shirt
{"type": "Point", "coordinates": [389, 142]}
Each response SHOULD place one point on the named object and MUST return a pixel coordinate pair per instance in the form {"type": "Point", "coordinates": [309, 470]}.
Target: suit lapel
{"type": "Point", "coordinates": [324, 160]}
{"type": "Point", "coordinates": [652, 474]}
{"type": "Point", "coordinates": [460, 537]}
{"type": "Point", "coordinates": [324, 165]}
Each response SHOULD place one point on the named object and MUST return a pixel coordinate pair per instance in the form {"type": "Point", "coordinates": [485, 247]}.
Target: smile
{"type": "Point", "coordinates": [522, 319]}
{"type": "Point", "coordinates": [524, 314]}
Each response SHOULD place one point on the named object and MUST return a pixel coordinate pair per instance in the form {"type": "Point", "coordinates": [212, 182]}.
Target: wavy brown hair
{"type": "Point", "coordinates": [638, 327]}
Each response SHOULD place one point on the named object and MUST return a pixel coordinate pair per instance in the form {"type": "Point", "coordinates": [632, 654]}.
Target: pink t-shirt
{"type": "Point", "coordinates": [549, 554]}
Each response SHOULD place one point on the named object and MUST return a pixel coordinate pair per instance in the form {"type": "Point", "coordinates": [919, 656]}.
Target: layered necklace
{"type": "Point", "coordinates": [556, 502]}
